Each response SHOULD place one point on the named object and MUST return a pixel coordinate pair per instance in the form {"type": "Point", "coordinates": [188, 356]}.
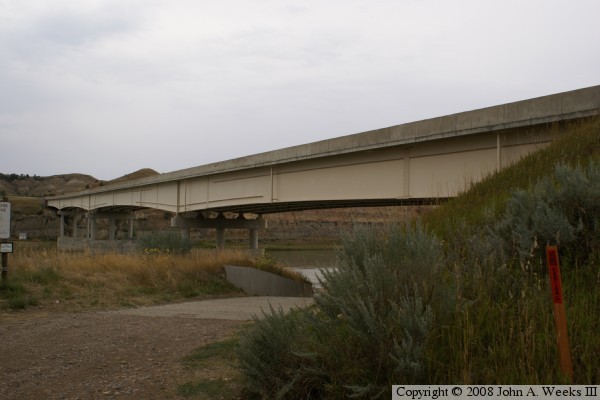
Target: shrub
{"type": "Point", "coordinates": [368, 328]}
{"type": "Point", "coordinates": [268, 355]}
{"type": "Point", "coordinates": [560, 210]}
{"type": "Point", "coordinates": [164, 242]}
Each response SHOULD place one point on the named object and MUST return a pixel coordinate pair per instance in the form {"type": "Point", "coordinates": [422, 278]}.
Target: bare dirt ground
{"type": "Point", "coordinates": [127, 354]}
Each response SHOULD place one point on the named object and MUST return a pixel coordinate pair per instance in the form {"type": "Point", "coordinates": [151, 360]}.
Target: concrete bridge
{"type": "Point", "coordinates": [413, 163]}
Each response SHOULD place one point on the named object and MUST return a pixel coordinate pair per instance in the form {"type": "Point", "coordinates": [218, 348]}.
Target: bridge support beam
{"type": "Point", "coordinates": [221, 224]}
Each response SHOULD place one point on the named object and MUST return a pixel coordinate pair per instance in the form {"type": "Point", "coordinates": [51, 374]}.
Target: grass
{"type": "Point", "coordinates": [204, 355]}
{"type": "Point", "coordinates": [215, 366]}
{"type": "Point", "coordinates": [42, 276]}
{"type": "Point", "coordinates": [505, 330]}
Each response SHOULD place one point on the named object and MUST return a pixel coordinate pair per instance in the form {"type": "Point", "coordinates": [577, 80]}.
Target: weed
{"type": "Point", "coordinates": [216, 355]}
{"type": "Point", "coordinates": [209, 387]}
{"type": "Point", "coordinates": [169, 242]}
{"type": "Point", "coordinates": [224, 349]}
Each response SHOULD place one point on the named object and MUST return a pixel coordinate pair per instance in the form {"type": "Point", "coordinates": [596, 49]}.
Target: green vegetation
{"type": "Point", "coordinates": [204, 355]}
{"type": "Point", "coordinates": [218, 357]}
{"type": "Point", "coordinates": [165, 242]}
{"type": "Point", "coordinates": [461, 297]}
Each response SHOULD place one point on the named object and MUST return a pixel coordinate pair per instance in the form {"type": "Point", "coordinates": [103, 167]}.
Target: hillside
{"type": "Point", "coordinates": [26, 196]}
{"type": "Point", "coordinates": [35, 186]}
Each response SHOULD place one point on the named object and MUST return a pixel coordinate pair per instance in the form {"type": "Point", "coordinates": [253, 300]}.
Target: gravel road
{"type": "Point", "coordinates": [124, 354]}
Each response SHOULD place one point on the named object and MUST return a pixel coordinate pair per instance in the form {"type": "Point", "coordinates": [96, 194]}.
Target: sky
{"type": "Point", "coordinates": [107, 87]}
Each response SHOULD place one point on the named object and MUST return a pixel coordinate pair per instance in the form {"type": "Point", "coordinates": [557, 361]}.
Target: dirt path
{"type": "Point", "coordinates": [128, 354]}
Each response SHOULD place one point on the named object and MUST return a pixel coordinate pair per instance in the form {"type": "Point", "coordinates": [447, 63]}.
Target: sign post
{"type": "Point", "coordinates": [559, 311]}
{"type": "Point", "coordinates": [5, 247]}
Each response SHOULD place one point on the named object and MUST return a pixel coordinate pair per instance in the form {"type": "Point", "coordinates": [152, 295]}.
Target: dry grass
{"type": "Point", "coordinates": [43, 277]}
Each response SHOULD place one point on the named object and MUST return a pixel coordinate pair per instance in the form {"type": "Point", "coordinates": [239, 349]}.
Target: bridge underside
{"type": "Point", "coordinates": [270, 208]}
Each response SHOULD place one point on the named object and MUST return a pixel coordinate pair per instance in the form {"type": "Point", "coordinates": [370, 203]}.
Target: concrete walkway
{"type": "Point", "coordinates": [237, 308]}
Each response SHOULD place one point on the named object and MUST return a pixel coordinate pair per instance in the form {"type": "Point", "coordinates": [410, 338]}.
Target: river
{"type": "Point", "coordinates": [307, 262]}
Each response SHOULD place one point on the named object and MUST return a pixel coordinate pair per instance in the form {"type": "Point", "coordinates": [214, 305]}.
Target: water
{"type": "Point", "coordinates": [307, 262]}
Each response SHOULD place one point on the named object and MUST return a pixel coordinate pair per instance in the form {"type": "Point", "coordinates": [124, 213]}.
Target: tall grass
{"type": "Point", "coordinates": [81, 280]}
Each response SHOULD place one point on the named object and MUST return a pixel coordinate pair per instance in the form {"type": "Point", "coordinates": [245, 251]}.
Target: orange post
{"type": "Point", "coordinates": [559, 311]}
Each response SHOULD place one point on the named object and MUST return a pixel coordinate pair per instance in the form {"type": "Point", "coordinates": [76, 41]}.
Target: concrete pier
{"type": "Point", "coordinates": [221, 224]}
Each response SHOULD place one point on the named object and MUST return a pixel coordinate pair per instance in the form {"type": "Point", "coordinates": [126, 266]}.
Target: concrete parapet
{"type": "Point", "coordinates": [260, 283]}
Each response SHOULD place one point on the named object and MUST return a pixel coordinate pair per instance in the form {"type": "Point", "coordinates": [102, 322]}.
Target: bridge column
{"type": "Point", "coordinates": [220, 238]}
{"type": "Point", "coordinates": [92, 218]}
{"type": "Point", "coordinates": [185, 233]}
{"type": "Point", "coordinates": [112, 228]}
{"type": "Point", "coordinates": [62, 224]}
{"type": "Point", "coordinates": [131, 228]}
{"type": "Point", "coordinates": [74, 221]}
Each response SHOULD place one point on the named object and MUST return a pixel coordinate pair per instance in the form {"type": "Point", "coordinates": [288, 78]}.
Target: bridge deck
{"type": "Point", "coordinates": [402, 164]}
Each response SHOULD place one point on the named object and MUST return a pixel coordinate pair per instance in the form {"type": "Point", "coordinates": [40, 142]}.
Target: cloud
{"type": "Point", "coordinates": [168, 85]}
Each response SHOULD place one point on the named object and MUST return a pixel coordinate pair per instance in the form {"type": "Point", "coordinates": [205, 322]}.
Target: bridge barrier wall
{"type": "Point", "coordinates": [260, 283]}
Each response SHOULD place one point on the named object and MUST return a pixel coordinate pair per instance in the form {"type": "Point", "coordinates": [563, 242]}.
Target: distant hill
{"type": "Point", "coordinates": [142, 173]}
{"type": "Point", "coordinates": [38, 186]}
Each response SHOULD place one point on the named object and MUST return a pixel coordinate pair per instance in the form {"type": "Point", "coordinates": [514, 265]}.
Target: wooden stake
{"type": "Point", "coordinates": [4, 267]}
{"type": "Point", "coordinates": [560, 316]}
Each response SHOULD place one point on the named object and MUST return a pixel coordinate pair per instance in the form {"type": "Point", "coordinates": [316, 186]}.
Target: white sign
{"type": "Point", "coordinates": [6, 247]}
{"type": "Point", "coordinates": [4, 220]}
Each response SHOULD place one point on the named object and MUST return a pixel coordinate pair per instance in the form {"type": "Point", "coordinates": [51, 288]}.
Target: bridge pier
{"type": "Point", "coordinates": [74, 217]}
{"type": "Point", "coordinates": [221, 224]}
{"type": "Point", "coordinates": [74, 239]}
{"type": "Point", "coordinates": [220, 238]}
{"type": "Point", "coordinates": [253, 239]}
{"type": "Point", "coordinates": [112, 224]}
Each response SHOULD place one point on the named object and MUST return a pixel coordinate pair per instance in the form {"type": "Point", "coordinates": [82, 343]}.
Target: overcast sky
{"type": "Point", "coordinates": [106, 87]}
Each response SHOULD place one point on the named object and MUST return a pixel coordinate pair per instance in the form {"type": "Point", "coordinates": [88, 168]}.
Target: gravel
{"type": "Point", "coordinates": [125, 354]}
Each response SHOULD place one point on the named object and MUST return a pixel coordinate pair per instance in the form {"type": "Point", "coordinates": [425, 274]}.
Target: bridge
{"type": "Point", "coordinates": [413, 163]}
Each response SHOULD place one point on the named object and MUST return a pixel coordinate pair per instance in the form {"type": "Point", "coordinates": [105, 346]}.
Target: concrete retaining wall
{"type": "Point", "coordinates": [260, 283]}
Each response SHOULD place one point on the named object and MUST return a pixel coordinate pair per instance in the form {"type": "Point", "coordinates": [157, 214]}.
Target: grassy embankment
{"type": "Point", "coordinates": [504, 331]}
{"type": "Point", "coordinates": [498, 327]}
